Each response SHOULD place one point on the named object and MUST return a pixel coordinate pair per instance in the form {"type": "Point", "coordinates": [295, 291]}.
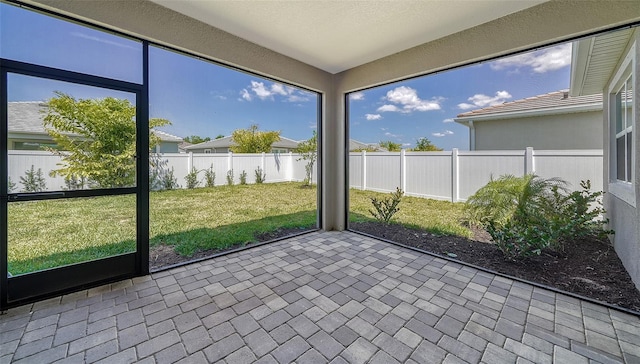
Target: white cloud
{"type": "Point", "coordinates": [246, 95]}
{"type": "Point", "coordinates": [541, 61]}
{"type": "Point", "coordinates": [260, 90]}
{"type": "Point", "coordinates": [439, 135]}
{"type": "Point", "coordinates": [385, 108]}
{"type": "Point", "coordinates": [406, 144]}
{"type": "Point", "coordinates": [266, 92]}
{"type": "Point", "coordinates": [447, 121]}
{"type": "Point", "coordinates": [357, 96]}
{"type": "Point", "coordinates": [448, 132]}
{"type": "Point", "coordinates": [373, 116]}
{"type": "Point", "coordinates": [408, 99]}
{"type": "Point", "coordinates": [481, 100]}
{"type": "Point", "coordinates": [391, 135]}
{"type": "Point", "coordinates": [278, 88]}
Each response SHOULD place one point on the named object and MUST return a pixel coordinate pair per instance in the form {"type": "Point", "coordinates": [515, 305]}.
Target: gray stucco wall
{"type": "Point", "coordinates": [623, 215]}
{"type": "Point", "coordinates": [568, 131]}
{"type": "Point", "coordinates": [548, 22]}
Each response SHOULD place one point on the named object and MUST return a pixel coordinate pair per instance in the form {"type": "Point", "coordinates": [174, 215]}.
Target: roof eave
{"type": "Point", "coordinates": [464, 120]}
{"type": "Point", "coordinates": [580, 52]}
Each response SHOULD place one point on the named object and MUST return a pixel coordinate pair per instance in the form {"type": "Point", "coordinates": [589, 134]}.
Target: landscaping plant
{"type": "Point", "coordinates": [10, 185]}
{"type": "Point", "coordinates": [192, 178]}
{"type": "Point", "coordinates": [230, 177]}
{"type": "Point", "coordinates": [308, 150]}
{"type": "Point", "coordinates": [168, 180]}
{"type": "Point", "coordinates": [243, 178]}
{"type": "Point", "coordinates": [385, 208]}
{"type": "Point", "coordinates": [209, 177]}
{"type": "Point", "coordinates": [260, 175]}
{"type": "Point", "coordinates": [33, 181]}
{"type": "Point", "coordinates": [525, 215]}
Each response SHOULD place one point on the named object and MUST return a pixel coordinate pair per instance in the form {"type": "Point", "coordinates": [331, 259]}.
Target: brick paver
{"type": "Point", "coordinates": [321, 297]}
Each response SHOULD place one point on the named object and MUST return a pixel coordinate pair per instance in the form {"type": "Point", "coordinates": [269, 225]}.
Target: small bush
{"type": "Point", "coordinates": [192, 178]}
{"type": "Point", "coordinates": [168, 180]}
{"type": "Point", "coordinates": [243, 178]}
{"type": "Point", "coordinates": [33, 181]}
{"type": "Point", "coordinates": [230, 177]}
{"type": "Point", "coordinates": [525, 215]}
{"type": "Point", "coordinates": [260, 175]}
{"type": "Point", "coordinates": [10, 185]}
{"type": "Point", "coordinates": [386, 207]}
{"type": "Point", "coordinates": [74, 183]}
{"type": "Point", "coordinates": [209, 177]}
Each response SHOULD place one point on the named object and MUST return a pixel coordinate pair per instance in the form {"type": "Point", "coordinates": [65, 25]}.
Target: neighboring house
{"type": "Point", "coordinates": [609, 65]}
{"type": "Point", "coordinates": [222, 145]}
{"type": "Point", "coordinates": [26, 130]}
{"type": "Point", "coordinates": [355, 145]}
{"type": "Point", "coordinates": [554, 121]}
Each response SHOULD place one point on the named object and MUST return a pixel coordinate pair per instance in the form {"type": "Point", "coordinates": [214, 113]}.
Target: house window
{"type": "Point", "coordinates": [624, 131]}
{"type": "Point", "coordinates": [207, 151]}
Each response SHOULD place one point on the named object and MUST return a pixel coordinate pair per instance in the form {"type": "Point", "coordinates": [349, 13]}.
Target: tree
{"type": "Point", "coordinates": [219, 136]}
{"type": "Point", "coordinates": [424, 145]}
{"type": "Point", "coordinates": [195, 139]}
{"type": "Point", "coordinates": [252, 140]}
{"type": "Point", "coordinates": [390, 146]}
{"type": "Point", "coordinates": [308, 150]}
{"type": "Point", "coordinates": [96, 139]}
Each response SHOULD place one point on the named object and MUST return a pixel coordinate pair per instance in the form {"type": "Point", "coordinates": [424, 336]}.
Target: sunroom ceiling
{"type": "Point", "coordinates": [336, 35]}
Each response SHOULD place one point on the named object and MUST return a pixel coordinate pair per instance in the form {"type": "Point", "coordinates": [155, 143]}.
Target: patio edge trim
{"type": "Point", "coordinates": [487, 270]}
{"type": "Point", "coordinates": [235, 250]}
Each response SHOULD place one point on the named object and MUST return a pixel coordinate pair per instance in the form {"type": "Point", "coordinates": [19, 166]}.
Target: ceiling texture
{"type": "Point", "coordinates": [336, 35]}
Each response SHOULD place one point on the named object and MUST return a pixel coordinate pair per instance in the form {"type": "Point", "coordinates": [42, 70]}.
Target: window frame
{"type": "Point", "coordinates": [622, 189]}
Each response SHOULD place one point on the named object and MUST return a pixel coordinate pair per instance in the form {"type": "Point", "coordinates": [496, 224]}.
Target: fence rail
{"type": "Point", "coordinates": [455, 175]}
{"type": "Point", "coordinates": [452, 175]}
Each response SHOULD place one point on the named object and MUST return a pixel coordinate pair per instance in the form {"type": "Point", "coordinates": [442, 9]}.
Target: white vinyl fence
{"type": "Point", "coordinates": [278, 167]}
{"type": "Point", "coordinates": [455, 175]}
{"type": "Point", "coordinates": [451, 175]}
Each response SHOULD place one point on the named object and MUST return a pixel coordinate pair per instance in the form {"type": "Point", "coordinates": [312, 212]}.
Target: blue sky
{"type": "Point", "coordinates": [201, 98]}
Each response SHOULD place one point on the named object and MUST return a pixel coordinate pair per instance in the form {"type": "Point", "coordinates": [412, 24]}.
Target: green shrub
{"type": "Point", "coordinates": [10, 185]}
{"type": "Point", "coordinates": [192, 178]}
{"type": "Point", "coordinates": [230, 177]}
{"type": "Point", "coordinates": [33, 181]}
{"type": "Point", "coordinates": [526, 214]}
{"type": "Point", "coordinates": [168, 180]}
{"type": "Point", "coordinates": [387, 207]}
{"type": "Point", "coordinates": [243, 178]}
{"type": "Point", "coordinates": [209, 177]}
{"type": "Point", "coordinates": [260, 175]}
{"type": "Point", "coordinates": [73, 182]}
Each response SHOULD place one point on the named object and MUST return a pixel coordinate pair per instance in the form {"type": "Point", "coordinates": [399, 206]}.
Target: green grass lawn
{"type": "Point", "coordinates": [45, 234]}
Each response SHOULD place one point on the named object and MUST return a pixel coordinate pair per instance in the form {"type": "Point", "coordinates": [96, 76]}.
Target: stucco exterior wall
{"type": "Point", "coordinates": [567, 131]}
{"type": "Point", "coordinates": [623, 214]}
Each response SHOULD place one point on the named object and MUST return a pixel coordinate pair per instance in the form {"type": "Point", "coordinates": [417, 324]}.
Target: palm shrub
{"type": "Point", "coordinates": [526, 214]}
{"type": "Point", "coordinates": [387, 207]}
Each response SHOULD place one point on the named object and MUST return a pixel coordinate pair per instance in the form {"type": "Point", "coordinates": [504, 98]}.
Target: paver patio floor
{"type": "Point", "coordinates": [321, 297]}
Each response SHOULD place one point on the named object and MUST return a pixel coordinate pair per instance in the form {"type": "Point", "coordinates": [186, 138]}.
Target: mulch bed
{"type": "Point", "coordinates": [588, 267]}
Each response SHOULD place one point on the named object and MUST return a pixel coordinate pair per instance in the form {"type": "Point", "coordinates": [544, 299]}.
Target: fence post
{"type": "Point", "coordinates": [190, 162]}
{"type": "Point", "coordinates": [262, 163]}
{"type": "Point", "coordinates": [455, 183]}
{"type": "Point", "coordinates": [529, 167]}
{"type": "Point", "coordinates": [291, 167]}
{"type": "Point", "coordinates": [230, 162]}
{"type": "Point", "coordinates": [364, 170]}
{"type": "Point", "coordinates": [403, 170]}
